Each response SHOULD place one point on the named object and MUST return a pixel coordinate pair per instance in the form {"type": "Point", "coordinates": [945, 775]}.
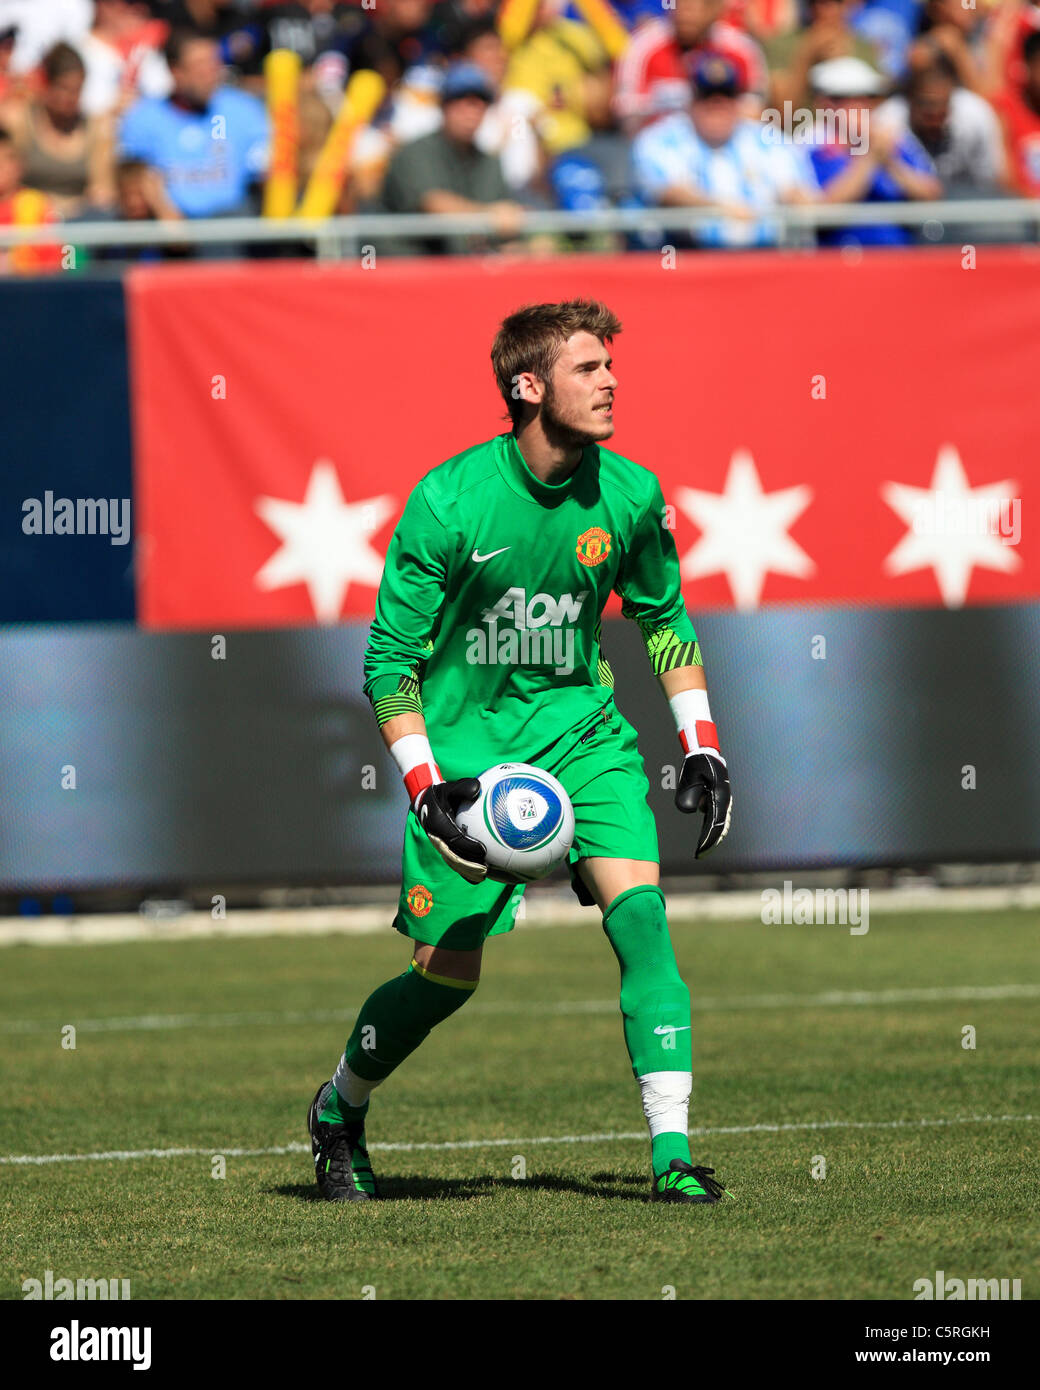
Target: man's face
{"type": "Point", "coordinates": [489, 53]}
{"type": "Point", "coordinates": [715, 118]}
{"type": "Point", "coordinates": [829, 13]}
{"type": "Point", "coordinates": [197, 76]}
{"type": "Point", "coordinates": [10, 169]}
{"type": "Point", "coordinates": [133, 202]}
{"type": "Point", "coordinates": [62, 96]}
{"type": "Point", "coordinates": [578, 406]}
{"type": "Point", "coordinates": [930, 110]}
{"type": "Point", "coordinates": [1033, 79]}
{"type": "Point", "coordinates": [462, 117]}
{"type": "Point", "coordinates": [693, 18]}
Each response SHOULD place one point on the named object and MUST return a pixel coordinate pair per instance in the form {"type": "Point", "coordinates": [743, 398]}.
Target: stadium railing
{"type": "Point", "coordinates": [335, 238]}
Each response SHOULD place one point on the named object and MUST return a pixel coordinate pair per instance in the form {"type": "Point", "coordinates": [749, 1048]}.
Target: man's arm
{"type": "Point", "coordinates": [408, 605]}
{"type": "Point", "coordinates": [651, 594]}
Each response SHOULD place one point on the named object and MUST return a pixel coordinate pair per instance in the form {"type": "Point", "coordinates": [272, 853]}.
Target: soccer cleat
{"type": "Point", "coordinates": [341, 1163]}
{"type": "Point", "coordinates": [681, 1182]}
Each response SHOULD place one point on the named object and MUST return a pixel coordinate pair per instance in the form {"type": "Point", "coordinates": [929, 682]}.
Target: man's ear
{"type": "Point", "coordinates": [528, 388]}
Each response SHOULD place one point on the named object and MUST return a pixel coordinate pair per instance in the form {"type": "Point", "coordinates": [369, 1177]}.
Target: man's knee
{"type": "Point", "coordinates": [453, 968]}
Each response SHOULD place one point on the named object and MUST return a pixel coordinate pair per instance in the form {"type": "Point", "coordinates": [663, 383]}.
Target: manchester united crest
{"type": "Point", "coordinates": [593, 546]}
{"type": "Point", "coordinates": [419, 900]}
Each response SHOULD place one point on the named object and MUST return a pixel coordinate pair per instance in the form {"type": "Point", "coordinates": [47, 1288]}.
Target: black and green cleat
{"type": "Point", "coordinates": [681, 1182]}
{"type": "Point", "coordinates": [341, 1163]}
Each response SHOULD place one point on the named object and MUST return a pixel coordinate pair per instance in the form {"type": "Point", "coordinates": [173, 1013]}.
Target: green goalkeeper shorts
{"type": "Point", "coordinates": [600, 767]}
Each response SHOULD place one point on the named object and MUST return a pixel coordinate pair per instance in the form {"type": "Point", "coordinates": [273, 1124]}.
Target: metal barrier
{"type": "Point", "coordinates": [338, 238]}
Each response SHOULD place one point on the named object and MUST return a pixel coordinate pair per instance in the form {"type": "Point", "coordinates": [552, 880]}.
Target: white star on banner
{"type": "Point", "coordinates": [953, 527]}
{"type": "Point", "coordinates": [745, 531]}
{"type": "Point", "coordinates": [325, 541]}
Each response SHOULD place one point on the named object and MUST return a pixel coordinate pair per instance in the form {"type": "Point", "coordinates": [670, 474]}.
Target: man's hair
{"type": "Point", "coordinates": [131, 168]}
{"type": "Point", "coordinates": [1031, 46]}
{"type": "Point", "coordinates": [531, 339]}
{"type": "Point", "coordinates": [59, 60]}
{"type": "Point", "coordinates": [938, 69]}
{"type": "Point", "coordinates": [178, 41]}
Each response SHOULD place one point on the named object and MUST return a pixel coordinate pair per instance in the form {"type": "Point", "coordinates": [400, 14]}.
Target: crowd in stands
{"type": "Point", "coordinates": [155, 110]}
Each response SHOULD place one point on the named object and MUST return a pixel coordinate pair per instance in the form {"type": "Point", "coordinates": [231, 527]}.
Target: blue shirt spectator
{"type": "Point", "coordinates": [831, 160]}
{"type": "Point", "coordinates": [713, 154]}
{"type": "Point", "coordinates": [860, 161]}
{"type": "Point", "coordinates": [210, 143]}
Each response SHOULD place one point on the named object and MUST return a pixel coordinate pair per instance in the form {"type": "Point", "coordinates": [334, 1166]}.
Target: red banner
{"type": "Point", "coordinates": [825, 430]}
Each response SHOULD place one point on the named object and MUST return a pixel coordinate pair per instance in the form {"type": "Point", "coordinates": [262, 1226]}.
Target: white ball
{"type": "Point", "coordinates": [523, 818]}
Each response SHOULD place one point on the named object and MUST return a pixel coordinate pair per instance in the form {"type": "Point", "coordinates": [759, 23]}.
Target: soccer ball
{"type": "Point", "coordinates": [523, 818]}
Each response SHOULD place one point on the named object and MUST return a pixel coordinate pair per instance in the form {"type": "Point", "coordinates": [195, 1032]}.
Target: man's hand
{"type": "Point", "coordinates": [704, 786]}
{"type": "Point", "coordinates": [436, 807]}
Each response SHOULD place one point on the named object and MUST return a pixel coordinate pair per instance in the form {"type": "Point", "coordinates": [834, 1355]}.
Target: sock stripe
{"type": "Point", "coordinates": [442, 979]}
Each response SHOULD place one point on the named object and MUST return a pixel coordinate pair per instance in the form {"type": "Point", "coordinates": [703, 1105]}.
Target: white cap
{"type": "Point", "coordinates": [846, 77]}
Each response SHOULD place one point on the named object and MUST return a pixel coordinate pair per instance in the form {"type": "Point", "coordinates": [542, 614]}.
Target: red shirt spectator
{"type": "Point", "coordinates": [1019, 110]}
{"type": "Point", "coordinates": [653, 74]}
{"type": "Point", "coordinates": [20, 206]}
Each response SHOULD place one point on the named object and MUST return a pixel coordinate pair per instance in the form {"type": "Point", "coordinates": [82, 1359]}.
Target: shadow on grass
{"type": "Point", "coordinates": [420, 1188]}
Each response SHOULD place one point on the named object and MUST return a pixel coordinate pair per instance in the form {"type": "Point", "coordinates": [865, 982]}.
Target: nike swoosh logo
{"type": "Point", "coordinates": [479, 559]}
{"type": "Point", "coordinates": [670, 1029]}
{"type": "Point", "coordinates": [424, 811]}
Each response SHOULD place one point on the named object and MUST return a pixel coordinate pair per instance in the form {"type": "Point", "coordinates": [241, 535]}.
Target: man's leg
{"type": "Point", "coordinates": [655, 1006]}
{"type": "Point", "coordinates": [395, 1019]}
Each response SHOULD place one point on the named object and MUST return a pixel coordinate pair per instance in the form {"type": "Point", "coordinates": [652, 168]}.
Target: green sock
{"type": "Point", "coordinates": [337, 1112]}
{"type": "Point", "coordinates": [666, 1147]}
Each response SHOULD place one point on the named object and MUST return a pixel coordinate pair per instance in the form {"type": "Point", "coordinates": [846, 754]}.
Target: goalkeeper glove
{"type": "Point", "coordinates": [435, 803]}
{"type": "Point", "coordinates": [704, 779]}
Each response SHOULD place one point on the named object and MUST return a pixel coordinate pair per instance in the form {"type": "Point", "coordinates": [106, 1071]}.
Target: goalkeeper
{"type": "Point", "coordinates": [486, 648]}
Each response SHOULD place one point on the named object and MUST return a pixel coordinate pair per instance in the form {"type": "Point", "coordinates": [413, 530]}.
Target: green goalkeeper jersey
{"type": "Point", "coordinates": [488, 613]}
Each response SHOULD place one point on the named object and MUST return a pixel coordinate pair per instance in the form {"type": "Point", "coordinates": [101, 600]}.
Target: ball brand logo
{"type": "Point", "coordinates": [593, 546]}
{"type": "Point", "coordinates": [419, 900]}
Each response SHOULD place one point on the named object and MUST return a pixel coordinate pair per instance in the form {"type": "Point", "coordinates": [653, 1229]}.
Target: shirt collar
{"type": "Point", "coordinates": [523, 482]}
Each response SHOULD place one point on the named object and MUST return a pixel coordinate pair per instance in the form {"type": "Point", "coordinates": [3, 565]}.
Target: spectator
{"type": "Point", "coordinates": [140, 197]}
{"type": "Point", "coordinates": [1020, 114]}
{"type": "Point", "coordinates": [121, 57]}
{"type": "Point", "coordinates": [563, 69]}
{"type": "Point", "coordinates": [208, 141]}
{"type": "Point", "coordinates": [886, 168]}
{"type": "Point", "coordinates": [40, 24]}
{"type": "Point", "coordinates": [446, 172]}
{"type": "Point", "coordinates": [958, 128]}
{"type": "Point", "coordinates": [653, 74]}
{"type": "Point", "coordinates": [948, 27]}
{"type": "Point", "coordinates": [21, 206]}
{"type": "Point", "coordinates": [507, 129]}
{"type": "Point", "coordinates": [64, 154]}
{"type": "Point", "coordinates": [828, 36]}
{"type": "Point", "coordinates": [714, 155]}
{"type": "Point", "coordinates": [1006, 32]}
{"type": "Point", "coordinates": [10, 85]}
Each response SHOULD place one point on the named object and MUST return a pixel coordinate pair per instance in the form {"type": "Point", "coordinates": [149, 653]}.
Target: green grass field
{"type": "Point", "coordinates": [218, 1045]}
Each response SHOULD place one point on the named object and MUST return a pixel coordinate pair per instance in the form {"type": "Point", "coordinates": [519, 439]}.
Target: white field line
{"type": "Point", "coordinates": [146, 1023]}
{"type": "Point", "coordinates": [127, 1155]}
{"type": "Point", "coordinates": [542, 909]}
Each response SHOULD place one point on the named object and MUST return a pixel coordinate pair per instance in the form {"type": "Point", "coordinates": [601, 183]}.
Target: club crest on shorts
{"type": "Point", "coordinates": [593, 546]}
{"type": "Point", "coordinates": [419, 900]}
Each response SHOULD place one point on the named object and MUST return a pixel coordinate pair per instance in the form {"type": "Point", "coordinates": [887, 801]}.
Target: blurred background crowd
{"type": "Point", "coordinates": [144, 110]}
